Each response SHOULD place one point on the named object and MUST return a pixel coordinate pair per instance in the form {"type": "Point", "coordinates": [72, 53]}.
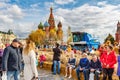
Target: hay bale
{"type": "Point", "coordinates": [64, 59]}
{"type": "Point", "coordinates": [49, 57]}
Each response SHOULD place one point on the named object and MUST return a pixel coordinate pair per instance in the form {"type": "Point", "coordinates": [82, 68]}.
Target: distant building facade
{"type": "Point", "coordinates": [6, 37]}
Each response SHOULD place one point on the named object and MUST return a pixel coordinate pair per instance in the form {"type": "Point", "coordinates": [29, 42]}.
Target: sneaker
{"type": "Point", "coordinates": [54, 73]}
{"type": "Point", "coordinates": [58, 73]}
{"type": "Point", "coordinates": [69, 76]}
{"type": "Point", "coordinates": [66, 75]}
{"type": "Point", "coordinates": [41, 66]}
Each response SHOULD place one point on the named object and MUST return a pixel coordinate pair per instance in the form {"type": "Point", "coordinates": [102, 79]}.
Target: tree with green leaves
{"type": "Point", "coordinates": [109, 38]}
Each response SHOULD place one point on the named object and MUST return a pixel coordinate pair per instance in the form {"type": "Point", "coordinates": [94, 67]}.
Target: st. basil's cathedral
{"type": "Point", "coordinates": [51, 31]}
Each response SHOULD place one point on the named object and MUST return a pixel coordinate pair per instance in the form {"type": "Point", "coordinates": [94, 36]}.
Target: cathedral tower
{"type": "Point", "coordinates": [60, 32]}
{"type": "Point", "coordinates": [117, 34]}
{"type": "Point", "coordinates": [51, 19]}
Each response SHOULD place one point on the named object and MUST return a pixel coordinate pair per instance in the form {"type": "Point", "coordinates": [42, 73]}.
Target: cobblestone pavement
{"type": "Point", "coordinates": [47, 75]}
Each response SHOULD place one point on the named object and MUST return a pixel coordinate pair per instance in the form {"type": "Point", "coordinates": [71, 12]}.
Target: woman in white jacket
{"type": "Point", "coordinates": [29, 57]}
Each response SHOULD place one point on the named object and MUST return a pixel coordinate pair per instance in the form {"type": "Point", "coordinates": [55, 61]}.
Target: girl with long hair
{"type": "Point", "coordinates": [29, 57]}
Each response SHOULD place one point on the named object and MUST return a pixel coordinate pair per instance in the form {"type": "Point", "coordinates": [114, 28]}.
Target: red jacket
{"type": "Point", "coordinates": [42, 58]}
{"type": "Point", "coordinates": [108, 59]}
{"type": "Point", "coordinates": [101, 50]}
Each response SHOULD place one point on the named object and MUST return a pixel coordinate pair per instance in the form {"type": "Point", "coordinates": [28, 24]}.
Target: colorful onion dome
{"type": "Point", "coordinates": [59, 24]}
{"type": "Point", "coordinates": [40, 26]}
{"type": "Point", "coordinates": [46, 24]}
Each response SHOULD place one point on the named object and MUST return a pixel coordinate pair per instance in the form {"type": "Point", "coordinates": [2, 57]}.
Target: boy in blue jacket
{"type": "Point", "coordinates": [83, 66]}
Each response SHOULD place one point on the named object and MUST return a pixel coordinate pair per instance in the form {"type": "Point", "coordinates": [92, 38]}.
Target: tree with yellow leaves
{"type": "Point", "coordinates": [37, 36]}
{"type": "Point", "coordinates": [53, 35]}
{"type": "Point", "coordinates": [60, 35]}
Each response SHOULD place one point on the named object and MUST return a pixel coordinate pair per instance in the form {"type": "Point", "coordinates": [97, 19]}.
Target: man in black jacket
{"type": "Point", "coordinates": [95, 68]}
{"type": "Point", "coordinates": [56, 59]}
{"type": "Point", "coordinates": [11, 61]}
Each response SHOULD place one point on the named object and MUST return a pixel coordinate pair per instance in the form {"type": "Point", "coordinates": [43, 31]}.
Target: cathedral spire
{"type": "Point", "coordinates": [118, 24]}
{"type": "Point", "coordinates": [51, 10]}
{"type": "Point", "coordinates": [51, 19]}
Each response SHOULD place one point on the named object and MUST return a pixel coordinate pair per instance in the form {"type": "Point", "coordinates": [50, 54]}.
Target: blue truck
{"type": "Point", "coordinates": [83, 40]}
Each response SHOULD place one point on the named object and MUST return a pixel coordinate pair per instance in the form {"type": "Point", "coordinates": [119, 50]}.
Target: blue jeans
{"type": "Point", "coordinates": [41, 63]}
{"type": "Point", "coordinates": [97, 73]}
{"type": "Point", "coordinates": [14, 74]}
{"type": "Point", "coordinates": [56, 64]}
{"type": "Point", "coordinates": [22, 65]}
{"type": "Point", "coordinates": [85, 73]}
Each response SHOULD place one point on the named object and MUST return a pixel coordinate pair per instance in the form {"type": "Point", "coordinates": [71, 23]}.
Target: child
{"type": "Point", "coordinates": [118, 59]}
{"type": "Point", "coordinates": [42, 59]}
{"type": "Point", "coordinates": [71, 65]}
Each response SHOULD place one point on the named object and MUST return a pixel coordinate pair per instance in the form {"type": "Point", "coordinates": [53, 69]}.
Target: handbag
{"type": "Point", "coordinates": [91, 76]}
{"type": "Point", "coordinates": [4, 76]}
{"type": "Point", "coordinates": [34, 78]}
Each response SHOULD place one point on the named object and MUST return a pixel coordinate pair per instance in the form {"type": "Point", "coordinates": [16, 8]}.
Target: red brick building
{"type": "Point", "coordinates": [117, 34]}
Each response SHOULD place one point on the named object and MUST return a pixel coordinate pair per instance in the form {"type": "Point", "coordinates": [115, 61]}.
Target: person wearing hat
{"type": "Point", "coordinates": [11, 61]}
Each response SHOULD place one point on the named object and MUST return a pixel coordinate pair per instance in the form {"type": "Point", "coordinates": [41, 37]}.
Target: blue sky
{"type": "Point", "coordinates": [98, 17]}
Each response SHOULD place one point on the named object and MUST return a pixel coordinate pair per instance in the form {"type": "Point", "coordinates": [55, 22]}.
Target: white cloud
{"type": "Point", "coordinates": [36, 5]}
{"type": "Point", "coordinates": [5, 0]}
{"type": "Point", "coordinates": [5, 19]}
{"type": "Point", "coordinates": [49, 4]}
{"type": "Point", "coordinates": [2, 4]}
{"type": "Point", "coordinates": [101, 3]}
{"type": "Point", "coordinates": [92, 19]}
{"type": "Point", "coordinates": [10, 13]}
{"type": "Point", "coordinates": [15, 11]}
{"type": "Point", "coordinates": [64, 1]}
{"type": "Point", "coordinates": [25, 28]}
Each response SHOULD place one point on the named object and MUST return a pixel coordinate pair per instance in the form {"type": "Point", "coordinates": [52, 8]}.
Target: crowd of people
{"type": "Point", "coordinates": [103, 62]}
{"type": "Point", "coordinates": [17, 58]}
